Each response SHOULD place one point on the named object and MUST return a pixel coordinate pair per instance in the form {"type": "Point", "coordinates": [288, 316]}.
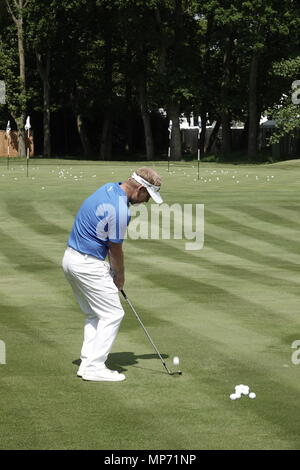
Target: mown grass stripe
{"type": "Point", "coordinates": [287, 229]}
{"type": "Point", "coordinates": [202, 295]}
{"type": "Point", "coordinates": [270, 216]}
{"type": "Point", "coordinates": [246, 234]}
{"type": "Point", "coordinates": [219, 341]}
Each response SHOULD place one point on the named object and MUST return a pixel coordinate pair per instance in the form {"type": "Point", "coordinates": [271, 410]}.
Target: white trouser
{"type": "Point", "coordinates": [98, 298]}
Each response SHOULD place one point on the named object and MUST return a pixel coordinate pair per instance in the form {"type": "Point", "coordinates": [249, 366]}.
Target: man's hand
{"type": "Point", "coordinates": [119, 280]}
{"type": "Point", "coordinates": [116, 260]}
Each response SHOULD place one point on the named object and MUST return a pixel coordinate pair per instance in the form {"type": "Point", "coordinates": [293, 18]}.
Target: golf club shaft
{"type": "Point", "coordinates": [148, 336]}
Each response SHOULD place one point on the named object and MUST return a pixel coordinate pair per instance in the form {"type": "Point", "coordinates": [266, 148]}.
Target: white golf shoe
{"type": "Point", "coordinates": [103, 375]}
{"type": "Point", "coordinates": [81, 368]}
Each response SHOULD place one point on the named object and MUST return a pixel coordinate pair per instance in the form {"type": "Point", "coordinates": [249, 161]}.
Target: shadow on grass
{"type": "Point", "coordinates": [118, 361]}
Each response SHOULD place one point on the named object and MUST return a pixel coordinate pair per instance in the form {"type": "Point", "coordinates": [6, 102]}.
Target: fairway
{"type": "Point", "coordinates": [229, 311]}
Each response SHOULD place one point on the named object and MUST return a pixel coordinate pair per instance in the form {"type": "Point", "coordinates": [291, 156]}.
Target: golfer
{"type": "Point", "coordinates": [98, 232]}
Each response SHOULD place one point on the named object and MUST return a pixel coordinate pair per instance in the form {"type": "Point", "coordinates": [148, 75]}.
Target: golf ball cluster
{"type": "Point", "coordinates": [175, 361]}
{"type": "Point", "coordinates": [242, 390]}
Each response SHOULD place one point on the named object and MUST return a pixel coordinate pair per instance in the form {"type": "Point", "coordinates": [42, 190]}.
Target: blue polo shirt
{"type": "Point", "coordinates": [102, 218]}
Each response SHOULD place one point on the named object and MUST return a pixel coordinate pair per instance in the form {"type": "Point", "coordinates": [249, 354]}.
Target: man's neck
{"type": "Point", "coordinates": [125, 188]}
{"type": "Point", "coordinates": [128, 190]}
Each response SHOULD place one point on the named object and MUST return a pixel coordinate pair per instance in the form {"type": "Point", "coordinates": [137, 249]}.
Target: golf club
{"type": "Point", "coordinates": [148, 336]}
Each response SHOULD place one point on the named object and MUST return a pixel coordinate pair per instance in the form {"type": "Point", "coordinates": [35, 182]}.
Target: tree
{"type": "Point", "coordinates": [110, 64]}
{"type": "Point", "coordinates": [177, 63]}
{"type": "Point", "coordinates": [77, 69]}
{"type": "Point", "coordinates": [264, 23]}
{"type": "Point", "coordinates": [41, 25]}
{"type": "Point", "coordinates": [287, 112]}
{"type": "Point", "coordinates": [139, 29]}
{"type": "Point", "coordinates": [17, 9]}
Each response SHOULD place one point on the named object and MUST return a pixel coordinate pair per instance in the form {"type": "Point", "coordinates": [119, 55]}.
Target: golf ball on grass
{"type": "Point", "coordinates": [176, 361]}
{"type": "Point", "coordinates": [240, 390]}
{"type": "Point", "coordinates": [234, 396]}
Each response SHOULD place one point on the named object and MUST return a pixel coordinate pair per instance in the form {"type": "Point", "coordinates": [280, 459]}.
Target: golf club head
{"type": "Point", "coordinates": [176, 373]}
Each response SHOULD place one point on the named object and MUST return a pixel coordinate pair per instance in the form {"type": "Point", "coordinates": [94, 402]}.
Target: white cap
{"type": "Point", "coordinates": [151, 188]}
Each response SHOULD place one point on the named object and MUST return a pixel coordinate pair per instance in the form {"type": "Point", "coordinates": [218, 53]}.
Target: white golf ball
{"type": "Point", "coordinates": [175, 361]}
{"type": "Point", "coordinates": [252, 395]}
{"type": "Point", "coordinates": [245, 390]}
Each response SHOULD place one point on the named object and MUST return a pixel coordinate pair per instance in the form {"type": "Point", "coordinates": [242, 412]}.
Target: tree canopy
{"type": "Point", "coordinates": [95, 74]}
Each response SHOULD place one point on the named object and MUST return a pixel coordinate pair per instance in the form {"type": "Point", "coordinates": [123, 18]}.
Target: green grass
{"type": "Point", "coordinates": [229, 311]}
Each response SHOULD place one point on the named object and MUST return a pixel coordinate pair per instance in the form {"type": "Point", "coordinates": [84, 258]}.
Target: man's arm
{"type": "Point", "coordinates": [116, 260]}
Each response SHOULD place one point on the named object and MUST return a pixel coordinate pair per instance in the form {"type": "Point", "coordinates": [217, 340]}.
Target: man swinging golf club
{"type": "Point", "coordinates": [98, 231]}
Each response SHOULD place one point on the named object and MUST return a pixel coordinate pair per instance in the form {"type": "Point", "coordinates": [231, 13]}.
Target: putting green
{"type": "Point", "coordinates": [229, 311]}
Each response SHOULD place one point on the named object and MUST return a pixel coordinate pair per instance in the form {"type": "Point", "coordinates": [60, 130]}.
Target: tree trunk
{"type": "Point", "coordinates": [213, 136]}
{"type": "Point", "coordinates": [44, 71]}
{"type": "Point", "coordinates": [176, 146]}
{"type": "Point", "coordinates": [129, 119]}
{"type": "Point", "coordinates": [46, 120]}
{"type": "Point", "coordinates": [226, 133]}
{"type": "Point", "coordinates": [225, 109]}
{"type": "Point", "coordinates": [16, 10]}
{"type": "Point", "coordinates": [66, 135]}
{"type": "Point", "coordinates": [20, 120]}
{"type": "Point", "coordinates": [164, 42]}
{"type": "Point", "coordinates": [146, 118]}
{"type": "Point", "coordinates": [203, 131]}
{"type": "Point", "coordinates": [106, 136]}
{"type": "Point", "coordinates": [206, 68]}
{"type": "Point", "coordinates": [84, 139]}
{"type": "Point", "coordinates": [128, 144]}
{"type": "Point", "coordinates": [21, 51]}
{"type": "Point", "coordinates": [244, 140]}
{"type": "Point", "coordinates": [106, 132]}
{"type": "Point", "coordinates": [252, 114]}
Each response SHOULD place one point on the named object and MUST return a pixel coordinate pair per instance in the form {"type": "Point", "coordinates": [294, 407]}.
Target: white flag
{"type": "Point", "coordinates": [8, 129]}
{"type": "Point", "coordinates": [27, 125]}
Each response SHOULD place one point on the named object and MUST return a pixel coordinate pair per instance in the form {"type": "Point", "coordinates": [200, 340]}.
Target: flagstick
{"type": "Point", "coordinates": [198, 153]}
{"type": "Point", "coordinates": [199, 147]}
{"type": "Point", "coordinates": [27, 161]}
{"type": "Point", "coordinates": [8, 152]}
{"type": "Point", "coordinates": [8, 129]}
{"type": "Point", "coordinates": [27, 128]}
{"type": "Point", "coordinates": [169, 148]}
